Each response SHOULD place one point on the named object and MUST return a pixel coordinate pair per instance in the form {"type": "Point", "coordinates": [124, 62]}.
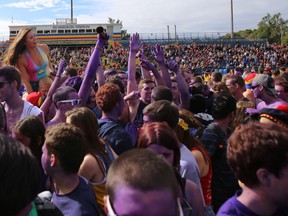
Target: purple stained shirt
{"type": "Point", "coordinates": [233, 207]}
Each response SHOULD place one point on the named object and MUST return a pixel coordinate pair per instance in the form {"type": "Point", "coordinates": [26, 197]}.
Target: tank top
{"type": "Point", "coordinates": [36, 72]}
{"type": "Point", "coordinates": [206, 180]}
{"type": "Point", "coordinates": [99, 187]}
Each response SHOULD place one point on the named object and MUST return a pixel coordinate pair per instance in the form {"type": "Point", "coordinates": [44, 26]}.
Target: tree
{"type": "Point", "coordinates": [124, 34]}
{"type": "Point", "coordinates": [274, 28]}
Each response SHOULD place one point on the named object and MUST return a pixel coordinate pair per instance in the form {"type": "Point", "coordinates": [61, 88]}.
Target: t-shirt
{"type": "Point", "coordinates": [188, 167]}
{"type": "Point", "coordinates": [31, 110]}
{"type": "Point", "coordinates": [80, 202]}
{"type": "Point", "coordinates": [224, 182]}
{"type": "Point", "coordinates": [115, 135]}
{"type": "Point", "coordinates": [234, 207]}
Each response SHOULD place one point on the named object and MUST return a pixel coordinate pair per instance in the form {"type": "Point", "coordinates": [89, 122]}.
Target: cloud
{"type": "Point", "coordinates": [148, 16]}
{"type": "Point", "coordinates": [34, 5]}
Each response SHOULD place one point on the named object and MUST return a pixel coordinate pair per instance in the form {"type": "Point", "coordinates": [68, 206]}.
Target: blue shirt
{"type": "Point", "coordinates": [80, 202]}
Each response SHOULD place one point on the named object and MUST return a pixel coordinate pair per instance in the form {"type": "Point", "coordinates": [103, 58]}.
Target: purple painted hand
{"type": "Point", "coordinates": [173, 66]}
{"type": "Point", "coordinates": [141, 53]}
{"type": "Point", "coordinates": [102, 39]}
{"type": "Point", "coordinates": [63, 64]}
{"type": "Point", "coordinates": [146, 64]}
{"type": "Point", "coordinates": [135, 43]}
{"type": "Point", "coordinates": [159, 55]}
{"type": "Point", "coordinates": [251, 111]}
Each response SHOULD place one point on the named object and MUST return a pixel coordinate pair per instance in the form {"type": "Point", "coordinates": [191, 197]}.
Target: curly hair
{"type": "Point", "coordinates": [108, 96]}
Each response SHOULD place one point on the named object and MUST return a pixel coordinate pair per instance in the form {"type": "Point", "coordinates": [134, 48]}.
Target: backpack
{"type": "Point", "coordinates": [44, 206]}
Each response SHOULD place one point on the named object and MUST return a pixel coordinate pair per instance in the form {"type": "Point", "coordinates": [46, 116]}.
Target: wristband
{"type": "Point", "coordinates": [99, 48]}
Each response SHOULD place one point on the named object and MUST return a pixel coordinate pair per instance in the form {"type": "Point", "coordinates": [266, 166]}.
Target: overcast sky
{"type": "Point", "coordinates": [143, 16]}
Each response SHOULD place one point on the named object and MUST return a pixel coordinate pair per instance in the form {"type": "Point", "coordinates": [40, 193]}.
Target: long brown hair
{"type": "Point", "coordinates": [16, 48]}
{"type": "Point", "coordinates": [161, 134]}
{"type": "Point", "coordinates": [183, 132]}
{"type": "Point", "coordinates": [86, 120]}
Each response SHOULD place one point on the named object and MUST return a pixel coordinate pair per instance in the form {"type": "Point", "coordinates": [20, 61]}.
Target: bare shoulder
{"type": "Point", "coordinates": [90, 169]}
{"type": "Point", "coordinates": [90, 162]}
{"type": "Point", "coordinates": [44, 47]}
{"type": "Point", "coordinates": [197, 154]}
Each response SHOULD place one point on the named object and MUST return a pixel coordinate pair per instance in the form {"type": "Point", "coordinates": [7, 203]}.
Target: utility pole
{"type": "Point", "coordinates": [175, 32]}
{"type": "Point", "coordinates": [232, 22]}
{"type": "Point", "coordinates": [71, 11]}
{"type": "Point", "coordinates": [168, 33]}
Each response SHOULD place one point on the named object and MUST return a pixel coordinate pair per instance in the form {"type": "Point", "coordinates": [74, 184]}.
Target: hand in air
{"type": "Point", "coordinates": [134, 95]}
{"type": "Point", "coordinates": [141, 53]}
{"type": "Point", "coordinates": [173, 66]}
{"type": "Point", "coordinates": [102, 38]}
{"type": "Point", "coordinates": [135, 43]}
{"type": "Point", "coordinates": [63, 64]}
{"type": "Point", "coordinates": [146, 64]}
{"type": "Point", "coordinates": [159, 55]}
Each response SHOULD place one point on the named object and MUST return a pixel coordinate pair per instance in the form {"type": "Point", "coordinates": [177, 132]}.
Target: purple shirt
{"type": "Point", "coordinates": [234, 207]}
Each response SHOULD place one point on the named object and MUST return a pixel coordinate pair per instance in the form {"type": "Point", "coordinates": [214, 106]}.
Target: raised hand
{"type": "Point", "coordinates": [159, 55]}
{"type": "Point", "coordinates": [141, 53]}
{"type": "Point", "coordinates": [173, 66]}
{"type": "Point", "coordinates": [102, 38]}
{"type": "Point", "coordinates": [135, 43]}
{"type": "Point", "coordinates": [63, 64]}
{"type": "Point", "coordinates": [134, 95]}
{"type": "Point", "coordinates": [146, 64]}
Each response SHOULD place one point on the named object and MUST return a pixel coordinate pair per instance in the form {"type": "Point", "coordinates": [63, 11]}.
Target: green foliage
{"type": "Point", "coordinates": [274, 28]}
{"type": "Point", "coordinates": [113, 21]}
{"type": "Point", "coordinates": [124, 34]}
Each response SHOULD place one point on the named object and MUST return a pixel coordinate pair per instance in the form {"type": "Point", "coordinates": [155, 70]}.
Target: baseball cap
{"type": "Point", "coordinates": [266, 81]}
{"type": "Point", "coordinates": [35, 98]}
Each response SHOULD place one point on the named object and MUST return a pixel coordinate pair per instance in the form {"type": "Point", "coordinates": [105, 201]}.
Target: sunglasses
{"type": "Point", "coordinates": [254, 87]}
{"type": "Point", "coordinates": [2, 83]}
{"type": "Point", "coordinates": [74, 102]}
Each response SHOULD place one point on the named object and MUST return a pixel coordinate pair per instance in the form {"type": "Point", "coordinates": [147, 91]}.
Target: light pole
{"type": "Point", "coordinates": [168, 32]}
{"type": "Point", "coordinates": [232, 22]}
{"type": "Point", "coordinates": [71, 11]}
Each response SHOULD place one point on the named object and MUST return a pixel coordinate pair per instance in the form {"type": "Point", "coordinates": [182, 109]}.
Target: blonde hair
{"type": "Point", "coordinates": [45, 81]}
{"type": "Point", "coordinates": [241, 116]}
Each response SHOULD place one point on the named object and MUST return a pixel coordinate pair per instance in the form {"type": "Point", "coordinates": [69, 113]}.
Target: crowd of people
{"type": "Point", "coordinates": [108, 130]}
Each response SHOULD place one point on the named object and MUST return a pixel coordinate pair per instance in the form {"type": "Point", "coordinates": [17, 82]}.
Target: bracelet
{"type": "Point", "coordinates": [97, 47]}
